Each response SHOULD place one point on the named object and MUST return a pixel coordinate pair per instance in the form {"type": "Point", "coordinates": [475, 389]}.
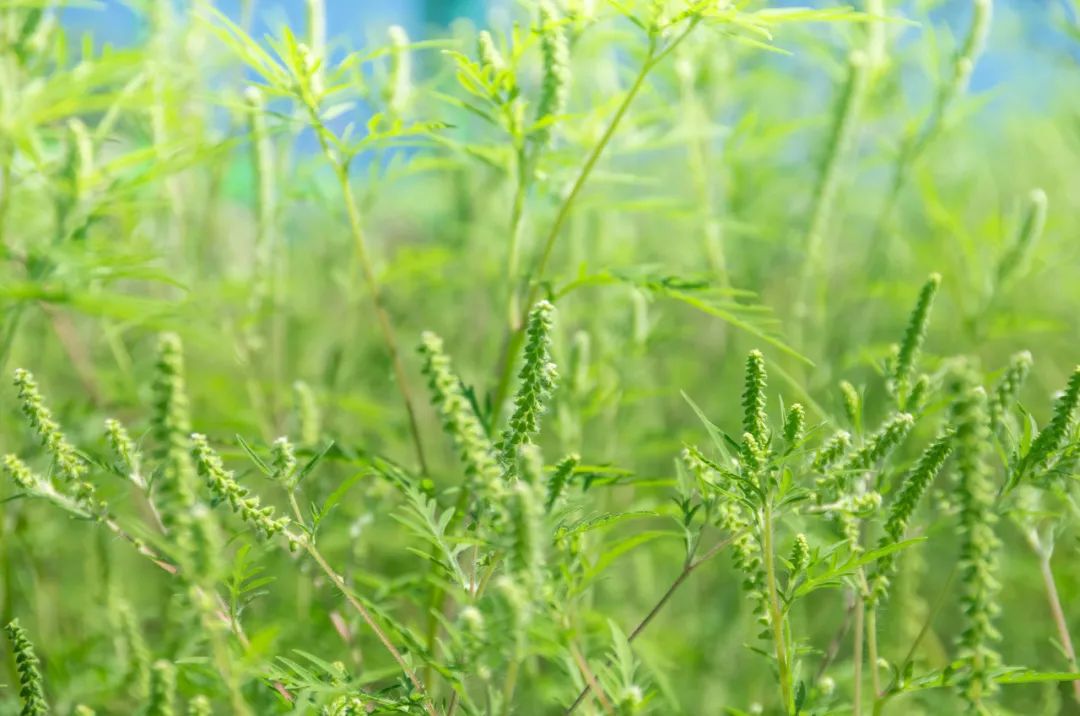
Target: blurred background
{"type": "Point", "coordinates": [130, 208]}
{"type": "Point", "coordinates": [1039, 22]}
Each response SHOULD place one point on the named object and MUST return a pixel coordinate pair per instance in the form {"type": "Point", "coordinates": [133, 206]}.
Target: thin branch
{"type": "Point", "coordinates": [590, 679]}
{"type": "Point", "coordinates": [687, 570]}
{"type": "Point", "coordinates": [872, 648]}
{"type": "Point", "coordinates": [857, 655]}
{"type": "Point", "coordinates": [838, 639]}
{"type": "Point", "coordinates": [76, 351]}
{"type": "Point", "coordinates": [378, 302]}
{"type": "Point", "coordinates": [1056, 611]}
{"type": "Point", "coordinates": [776, 618]}
{"type": "Point", "coordinates": [533, 280]}
{"type": "Point", "coordinates": [339, 582]}
{"type": "Point", "coordinates": [383, 317]}
{"type": "Point", "coordinates": [883, 697]}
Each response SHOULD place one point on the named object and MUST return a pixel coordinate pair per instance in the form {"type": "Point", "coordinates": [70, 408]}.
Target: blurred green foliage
{"type": "Point", "coordinates": [781, 181]}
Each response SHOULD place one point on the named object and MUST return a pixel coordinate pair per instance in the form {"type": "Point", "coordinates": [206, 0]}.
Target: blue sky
{"type": "Point", "coordinates": [1029, 61]}
{"type": "Point", "coordinates": [1028, 55]}
{"type": "Point", "coordinates": [114, 20]}
{"type": "Point", "coordinates": [1038, 22]}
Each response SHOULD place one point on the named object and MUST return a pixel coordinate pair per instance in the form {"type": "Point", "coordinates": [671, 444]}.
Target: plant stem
{"type": "Point", "coordinates": [210, 603]}
{"type": "Point", "coordinates": [295, 505]}
{"type": "Point", "coordinates": [162, 75]}
{"type": "Point", "coordinates": [1058, 614]}
{"type": "Point", "coordinates": [77, 352]}
{"type": "Point", "coordinates": [532, 280]}
{"type": "Point", "coordinates": [872, 648]}
{"type": "Point", "coordinates": [915, 142]}
{"type": "Point", "coordinates": [584, 173]}
{"type": "Point", "coordinates": [811, 291]}
{"type": "Point", "coordinates": [776, 617]}
{"type": "Point", "coordinates": [511, 347]}
{"type": "Point", "coordinates": [6, 174]}
{"type": "Point", "coordinates": [838, 639]}
{"type": "Point", "coordinates": [883, 698]}
{"type": "Point", "coordinates": [339, 582]}
{"type": "Point", "coordinates": [864, 64]}
{"type": "Point", "coordinates": [687, 569]}
{"type": "Point", "coordinates": [381, 314]}
{"type": "Point", "coordinates": [592, 685]}
{"type": "Point", "coordinates": [517, 215]}
{"type": "Point", "coordinates": [437, 604]}
{"type": "Point", "coordinates": [341, 171]}
{"type": "Point", "coordinates": [938, 604]}
{"type": "Point", "coordinates": [509, 684]}
{"type": "Point", "coordinates": [224, 664]}
{"type": "Point", "coordinates": [699, 160]}
{"type": "Point", "coordinates": [209, 596]}
{"type": "Point", "coordinates": [857, 657]}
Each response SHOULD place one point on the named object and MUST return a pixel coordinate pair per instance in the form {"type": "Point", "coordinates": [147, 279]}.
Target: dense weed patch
{"type": "Point", "coordinates": [558, 366]}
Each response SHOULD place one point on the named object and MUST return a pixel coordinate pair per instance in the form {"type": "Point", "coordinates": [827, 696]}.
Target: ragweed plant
{"type": "Point", "coordinates": [1057, 433]}
{"type": "Point", "coordinates": [162, 700]}
{"type": "Point", "coordinates": [68, 464]}
{"type": "Point", "coordinates": [458, 418]}
{"type": "Point", "coordinates": [171, 426]}
{"type": "Point", "coordinates": [31, 687]}
{"type": "Point", "coordinates": [907, 353]}
{"type": "Point", "coordinates": [980, 547]}
{"type": "Point", "coordinates": [654, 196]}
{"type": "Point", "coordinates": [224, 486]}
{"type": "Point", "coordinates": [900, 512]}
{"type": "Point", "coordinates": [537, 380]}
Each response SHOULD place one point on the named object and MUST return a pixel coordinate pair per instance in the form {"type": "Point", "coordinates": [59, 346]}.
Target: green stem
{"type": "Point", "coordinates": [687, 569]}
{"type": "Point", "coordinates": [268, 260]}
{"type": "Point", "coordinates": [918, 140]}
{"type": "Point", "coordinates": [531, 281]}
{"type": "Point", "coordinates": [160, 133]}
{"type": "Point", "coordinates": [811, 285]}
{"type": "Point", "coordinates": [776, 616]}
{"type": "Point", "coordinates": [863, 65]}
{"type": "Point", "coordinates": [509, 685]}
{"type": "Point", "coordinates": [939, 603]}
{"type": "Point", "coordinates": [339, 583]}
{"type": "Point", "coordinates": [295, 505]}
{"type": "Point", "coordinates": [223, 661]}
{"type": "Point", "coordinates": [341, 171]}
{"type": "Point", "coordinates": [517, 214]}
{"type": "Point", "coordinates": [872, 650]}
{"type": "Point", "coordinates": [381, 314]}
{"type": "Point", "coordinates": [6, 174]}
{"type": "Point", "coordinates": [699, 160]}
{"type": "Point", "coordinates": [437, 603]}
{"type": "Point", "coordinates": [1056, 610]}
{"type": "Point", "coordinates": [857, 656]}
{"type": "Point", "coordinates": [584, 173]}
{"type": "Point", "coordinates": [879, 706]}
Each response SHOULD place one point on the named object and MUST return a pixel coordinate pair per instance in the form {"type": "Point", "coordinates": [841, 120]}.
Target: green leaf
{"type": "Point", "coordinates": [263, 467]}
{"type": "Point", "coordinates": [831, 577]}
{"type": "Point", "coordinates": [1026, 676]}
{"type": "Point", "coordinates": [616, 549]}
{"type": "Point", "coordinates": [720, 439]}
{"type": "Point", "coordinates": [315, 460]}
{"type": "Point", "coordinates": [601, 521]}
{"type": "Point", "coordinates": [336, 496]}
{"type": "Point", "coordinates": [729, 316]}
